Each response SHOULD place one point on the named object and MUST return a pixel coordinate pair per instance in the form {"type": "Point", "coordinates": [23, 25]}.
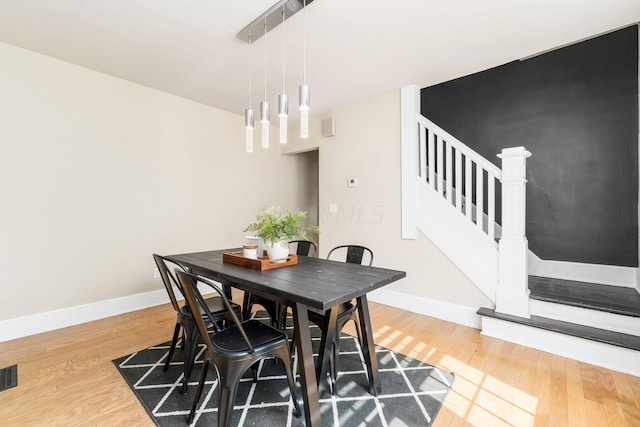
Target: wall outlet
{"type": "Point", "coordinates": [156, 273]}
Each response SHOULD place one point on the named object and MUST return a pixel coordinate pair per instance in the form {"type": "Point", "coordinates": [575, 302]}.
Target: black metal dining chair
{"type": "Point", "coordinates": [234, 349]}
{"type": "Point", "coordinates": [185, 320]}
{"type": "Point", "coordinates": [277, 312]}
{"type": "Point", "coordinates": [304, 247]}
{"type": "Point", "coordinates": [354, 254]}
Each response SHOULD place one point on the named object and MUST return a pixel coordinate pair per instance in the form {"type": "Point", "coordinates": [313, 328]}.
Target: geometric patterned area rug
{"type": "Point", "coordinates": [412, 391]}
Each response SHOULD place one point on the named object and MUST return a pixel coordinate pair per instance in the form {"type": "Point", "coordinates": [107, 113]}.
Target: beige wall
{"type": "Point", "coordinates": [367, 147]}
{"type": "Point", "coordinates": [309, 179]}
{"type": "Point", "coordinates": [96, 173]}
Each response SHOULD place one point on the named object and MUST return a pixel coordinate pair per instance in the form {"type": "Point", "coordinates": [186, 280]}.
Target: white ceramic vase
{"type": "Point", "coordinates": [278, 251]}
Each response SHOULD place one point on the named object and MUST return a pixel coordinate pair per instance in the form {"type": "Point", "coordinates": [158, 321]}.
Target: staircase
{"type": "Point", "coordinates": [452, 191]}
{"type": "Point", "coordinates": [591, 322]}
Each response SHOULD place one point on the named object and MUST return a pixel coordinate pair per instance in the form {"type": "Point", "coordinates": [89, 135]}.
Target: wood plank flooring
{"type": "Point", "coordinates": [66, 378]}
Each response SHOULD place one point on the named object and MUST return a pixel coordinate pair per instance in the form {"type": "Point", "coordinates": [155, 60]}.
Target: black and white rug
{"type": "Point", "coordinates": [412, 391]}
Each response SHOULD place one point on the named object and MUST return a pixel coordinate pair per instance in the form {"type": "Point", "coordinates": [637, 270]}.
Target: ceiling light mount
{"type": "Point", "coordinates": [272, 18]}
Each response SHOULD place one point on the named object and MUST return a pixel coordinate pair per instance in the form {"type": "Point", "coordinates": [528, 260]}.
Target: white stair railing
{"type": "Point", "coordinates": [449, 193]}
{"type": "Point", "coordinates": [459, 175]}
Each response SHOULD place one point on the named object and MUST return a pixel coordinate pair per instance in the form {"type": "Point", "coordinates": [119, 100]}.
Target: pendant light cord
{"type": "Point", "coordinates": [304, 42]}
{"type": "Point", "coordinates": [265, 59]}
{"type": "Point", "coordinates": [250, 68]}
{"type": "Point", "coordinates": [283, 39]}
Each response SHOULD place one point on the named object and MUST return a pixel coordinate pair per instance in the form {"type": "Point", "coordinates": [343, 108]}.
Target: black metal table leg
{"type": "Point", "coordinates": [328, 336]}
{"type": "Point", "coordinates": [306, 366]}
{"type": "Point", "coordinates": [368, 347]}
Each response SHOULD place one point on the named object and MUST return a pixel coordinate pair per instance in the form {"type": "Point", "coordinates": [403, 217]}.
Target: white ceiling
{"type": "Point", "coordinates": [355, 48]}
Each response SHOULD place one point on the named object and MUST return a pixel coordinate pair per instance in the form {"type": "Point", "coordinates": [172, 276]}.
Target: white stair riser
{"type": "Point", "coordinates": [584, 350]}
{"type": "Point", "coordinates": [586, 317]}
{"type": "Point", "coordinates": [612, 275]}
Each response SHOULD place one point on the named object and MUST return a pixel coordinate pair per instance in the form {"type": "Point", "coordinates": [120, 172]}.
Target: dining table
{"type": "Point", "coordinates": [310, 283]}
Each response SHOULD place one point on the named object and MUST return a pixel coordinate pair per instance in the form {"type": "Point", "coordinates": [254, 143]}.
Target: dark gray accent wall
{"type": "Point", "coordinates": [576, 110]}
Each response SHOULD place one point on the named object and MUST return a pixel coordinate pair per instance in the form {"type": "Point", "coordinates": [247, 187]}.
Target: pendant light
{"type": "Point", "coordinates": [264, 105]}
{"type": "Point", "coordinates": [303, 90]}
{"type": "Point", "coordinates": [283, 99]}
{"type": "Point", "coordinates": [248, 113]}
{"type": "Point", "coordinates": [267, 21]}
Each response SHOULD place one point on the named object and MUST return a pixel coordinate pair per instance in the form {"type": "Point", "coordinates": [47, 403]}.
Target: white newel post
{"type": "Point", "coordinates": [512, 296]}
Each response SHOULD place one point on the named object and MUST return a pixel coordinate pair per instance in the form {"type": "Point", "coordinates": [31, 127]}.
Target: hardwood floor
{"type": "Point", "coordinates": [66, 378]}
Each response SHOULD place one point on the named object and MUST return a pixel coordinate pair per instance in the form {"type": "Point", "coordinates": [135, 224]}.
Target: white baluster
{"type": "Point", "coordinates": [491, 208]}
{"type": "Point", "coordinates": [468, 194]}
{"type": "Point", "coordinates": [479, 197]}
{"type": "Point", "coordinates": [449, 174]}
{"type": "Point", "coordinates": [458, 181]}
{"type": "Point", "coordinates": [440, 163]}
{"type": "Point", "coordinates": [423, 153]}
{"type": "Point", "coordinates": [432, 160]}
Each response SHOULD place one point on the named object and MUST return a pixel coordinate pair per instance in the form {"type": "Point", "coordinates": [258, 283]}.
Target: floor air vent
{"type": "Point", "coordinates": [8, 377]}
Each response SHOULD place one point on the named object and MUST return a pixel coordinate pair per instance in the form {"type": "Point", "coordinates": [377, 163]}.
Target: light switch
{"type": "Point", "coordinates": [333, 208]}
{"type": "Point", "coordinates": [352, 182]}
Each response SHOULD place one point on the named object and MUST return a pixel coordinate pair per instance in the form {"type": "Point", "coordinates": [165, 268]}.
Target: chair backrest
{"type": "Point", "coordinates": [196, 302]}
{"type": "Point", "coordinates": [355, 253]}
{"type": "Point", "coordinates": [304, 247]}
{"type": "Point", "coordinates": [168, 279]}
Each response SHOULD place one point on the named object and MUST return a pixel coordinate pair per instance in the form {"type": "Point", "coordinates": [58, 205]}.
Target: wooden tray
{"type": "Point", "coordinates": [257, 264]}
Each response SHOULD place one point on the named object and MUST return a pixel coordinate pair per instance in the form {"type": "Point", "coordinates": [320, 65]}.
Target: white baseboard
{"type": "Point", "coordinates": [596, 353]}
{"type": "Point", "coordinates": [50, 320]}
{"type": "Point", "coordinates": [439, 309]}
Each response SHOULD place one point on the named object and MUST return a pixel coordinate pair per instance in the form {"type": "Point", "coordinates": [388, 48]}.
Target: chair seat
{"type": "Point", "coordinates": [215, 304]}
{"type": "Point", "coordinates": [260, 335]}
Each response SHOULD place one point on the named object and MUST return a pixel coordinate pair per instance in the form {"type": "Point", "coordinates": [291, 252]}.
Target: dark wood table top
{"type": "Point", "coordinates": [314, 282]}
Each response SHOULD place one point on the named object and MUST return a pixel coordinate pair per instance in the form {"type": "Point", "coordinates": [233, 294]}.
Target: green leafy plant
{"type": "Point", "coordinates": [274, 225]}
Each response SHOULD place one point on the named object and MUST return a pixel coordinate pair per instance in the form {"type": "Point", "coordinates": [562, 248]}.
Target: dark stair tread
{"type": "Point", "coordinates": [611, 299]}
{"type": "Point", "coordinates": [594, 334]}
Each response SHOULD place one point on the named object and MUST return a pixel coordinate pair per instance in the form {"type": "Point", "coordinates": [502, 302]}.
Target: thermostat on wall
{"type": "Point", "coordinates": [352, 182]}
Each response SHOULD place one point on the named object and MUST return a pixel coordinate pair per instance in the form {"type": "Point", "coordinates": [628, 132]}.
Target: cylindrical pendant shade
{"type": "Point", "coordinates": [283, 129]}
{"type": "Point", "coordinates": [248, 118]}
{"type": "Point", "coordinates": [283, 104]}
{"type": "Point", "coordinates": [248, 138]}
{"type": "Point", "coordinates": [283, 111]}
{"type": "Point", "coordinates": [248, 125]}
{"type": "Point", "coordinates": [264, 112]}
{"type": "Point", "coordinates": [304, 110]}
{"type": "Point", "coordinates": [264, 119]}
{"type": "Point", "coordinates": [304, 123]}
{"type": "Point", "coordinates": [304, 95]}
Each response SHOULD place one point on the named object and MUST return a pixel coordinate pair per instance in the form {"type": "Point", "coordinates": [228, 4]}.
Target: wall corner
{"type": "Point", "coordinates": [409, 109]}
